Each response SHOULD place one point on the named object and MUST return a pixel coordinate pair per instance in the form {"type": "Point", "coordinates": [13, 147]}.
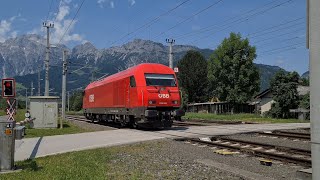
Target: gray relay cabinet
{"type": "Point", "coordinates": [45, 110]}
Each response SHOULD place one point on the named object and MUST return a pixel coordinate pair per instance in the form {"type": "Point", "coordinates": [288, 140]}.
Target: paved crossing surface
{"type": "Point", "coordinates": [50, 145]}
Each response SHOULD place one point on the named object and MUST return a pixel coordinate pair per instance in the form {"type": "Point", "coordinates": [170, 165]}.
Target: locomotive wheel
{"type": "Point", "coordinates": [93, 117]}
{"type": "Point", "coordinates": [134, 123]}
{"type": "Point", "coordinates": [123, 123]}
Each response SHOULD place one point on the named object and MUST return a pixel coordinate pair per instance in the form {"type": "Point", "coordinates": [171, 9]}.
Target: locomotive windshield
{"type": "Point", "coordinates": [160, 80]}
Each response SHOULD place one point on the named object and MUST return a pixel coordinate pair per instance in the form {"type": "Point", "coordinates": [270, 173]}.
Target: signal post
{"type": "Point", "coordinates": [7, 133]}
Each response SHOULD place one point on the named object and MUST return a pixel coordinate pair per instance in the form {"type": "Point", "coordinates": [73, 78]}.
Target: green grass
{"type": "Point", "coordinates": [75, 112]}
{"type": "Point", "coordinates": [68, 128]}
{"type": "Point", "coordinates": [102, 163]}
{"type": "Point", "coordinates": [239, 117]}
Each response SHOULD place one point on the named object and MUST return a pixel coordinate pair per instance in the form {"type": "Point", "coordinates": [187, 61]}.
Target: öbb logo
{"type": "Point", "coordinates": [163, 95]}
{"type": "Point", "coordinates": [91, 98]}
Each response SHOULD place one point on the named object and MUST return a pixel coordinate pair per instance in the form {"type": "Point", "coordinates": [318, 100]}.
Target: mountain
{"type": "Point", "coordinates": [22, 56]}
{"type": "Point", "coordinates": [305, 75]}
{"type": "Point", "coordinates": [266, 73]}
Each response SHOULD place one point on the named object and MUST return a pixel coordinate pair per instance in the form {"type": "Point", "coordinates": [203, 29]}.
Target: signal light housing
{"type": "Point", "coordinates": [8, 88]}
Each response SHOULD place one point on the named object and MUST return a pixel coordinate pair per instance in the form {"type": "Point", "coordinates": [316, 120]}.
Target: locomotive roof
{"type": "Point", "coordinates": [144, 68]}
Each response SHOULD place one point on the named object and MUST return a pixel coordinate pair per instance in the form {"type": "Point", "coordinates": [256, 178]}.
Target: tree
{"type": "Point", "coordinates": [285, 94]}
{"type": "Point", "coordinates": [231, 72]}
{"type": "Point", "coordinates": [305, 101]}
{"type": "Point", "coordinates": [76, 101]}
{"type": "Point", "coordinates": [192, 76]}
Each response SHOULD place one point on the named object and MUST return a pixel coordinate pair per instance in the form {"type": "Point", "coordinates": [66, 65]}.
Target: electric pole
{"type": "Point", "coordinates": [48, 26]}
{"type": "Point", "coordinates": [314, 54]}
{"type": "Point", "coordinates": [26, 99]}
{"type": "Point", "coordinates": [170, 42]}
{"type": "Point", "coordinates": [64, 85]}
{"type": "Point", "coordinates": [39, 79]}
{"type": "Point", "coordinates": [68, 101]}
{"type": "Point", "coordinates": [31, 92]}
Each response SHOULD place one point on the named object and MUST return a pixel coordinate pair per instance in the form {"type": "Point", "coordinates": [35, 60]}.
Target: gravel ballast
{"type": "Point", "coordinates": [169, 159]}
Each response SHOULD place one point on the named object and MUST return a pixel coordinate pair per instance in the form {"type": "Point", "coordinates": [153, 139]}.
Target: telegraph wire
{"type": "Point", "coordinates": [276, 30]}
{"type": "Point", "coordinates": [204, 29]}
{"type": "Point", "coordinates": [283, 34]}
{"type": "Point", "coordinates": [58, 9]}
{"type": "Point", "coordinates": [283, 47]}
{"type": "Point", "coordinates": [71, 22]}
{"type": "Point", "coordinates": [150, 22]}
{"type": "Point", "coordinates": [284, 40]}
{"type": "Point", "coordinates": [243, 20]}
{"type": "Point", "coordinates": [49, 10]}
{"type": "Point", "coordinates": [281, 24]}
{"type": "Point", "coordinates": [183, 21]}
{"type": "Point", "coordinates": [284, 50]}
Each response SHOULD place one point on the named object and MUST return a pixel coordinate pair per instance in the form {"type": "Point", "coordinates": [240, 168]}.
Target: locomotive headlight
{"type": "Point", "coordinates": [152, 102]}
{"type": "Point", "coordinates": [174, 102]}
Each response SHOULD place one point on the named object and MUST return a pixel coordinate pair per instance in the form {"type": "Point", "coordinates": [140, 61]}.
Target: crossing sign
{"type": "Point", "coordinates": [11, 111]}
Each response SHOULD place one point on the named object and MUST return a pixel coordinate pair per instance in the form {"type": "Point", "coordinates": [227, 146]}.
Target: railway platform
{"type": "Point", "coordinates": [51, 145]}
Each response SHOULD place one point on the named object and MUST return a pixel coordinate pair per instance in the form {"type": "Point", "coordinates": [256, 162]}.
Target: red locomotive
{"type": "Point", "coordinates": [144, 95]}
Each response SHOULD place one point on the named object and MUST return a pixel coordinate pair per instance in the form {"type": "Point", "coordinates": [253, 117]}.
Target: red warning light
{"type": "Point", "coordinates": [8, 88]}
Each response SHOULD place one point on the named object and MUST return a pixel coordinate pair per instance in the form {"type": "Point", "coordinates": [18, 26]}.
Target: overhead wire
{"type": "Point", "coordinates": [283, 47]}
{"type": "Point", "coordinates": [187, 19]}
{"type": "Point", "coordinates": [280, 35]}
{"type": "Point", "coordinates": [205, 29]}
{"type": "Point", "coordinates": [149, 23]}
{"type": "Point", "coordinates": [49, 10]}
{"type": "Point", "coordinates": [243, 19]}
{"type": "Point", "coordinates": [71, 21]}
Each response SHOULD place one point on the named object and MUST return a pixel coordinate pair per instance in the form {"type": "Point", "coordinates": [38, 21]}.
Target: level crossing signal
{"type": "Point", "coordinates": [8, 88]}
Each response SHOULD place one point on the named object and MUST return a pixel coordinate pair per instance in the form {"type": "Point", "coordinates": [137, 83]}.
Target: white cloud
{"type": "Point", "coordinates": [61, 26]}
{"type": "Point", "coordinates": [6, 28]}
{"type": "Point", "coordinates": [112, 4]}
{"type": "Point", "coordinates": [101, 2]}
{"type": "Point", "coordinates": [132, 2]}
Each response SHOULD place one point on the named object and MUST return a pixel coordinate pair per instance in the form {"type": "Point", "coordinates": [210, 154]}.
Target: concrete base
{"type": "Point", "coordinates": [304, 174]}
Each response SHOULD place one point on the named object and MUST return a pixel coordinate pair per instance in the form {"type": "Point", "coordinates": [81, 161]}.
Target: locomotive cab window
{"type": "Point", "coordinates": [160, 80]}
{"type": "Point", "coordinates": [132, 81]}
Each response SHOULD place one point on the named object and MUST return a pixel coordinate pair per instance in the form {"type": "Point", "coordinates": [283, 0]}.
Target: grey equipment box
{"type": "Point", "coordinates": [7, 145]}
{"type": "Point", "coordinates": [45, 110]}
{"type": "Point", "coordinates": [20, 132]}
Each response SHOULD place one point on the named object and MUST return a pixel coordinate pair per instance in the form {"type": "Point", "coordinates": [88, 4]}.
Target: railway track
{"type": "Point", "coordinates": [287, 134]}
{"type": "Point", "coordinates": [281, 153]}
{"type": "Point", "coordinates": [175, 123]}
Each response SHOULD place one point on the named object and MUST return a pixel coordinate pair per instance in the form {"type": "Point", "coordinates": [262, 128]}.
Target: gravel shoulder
{"type": "Point", "coordinates": [170, 159]}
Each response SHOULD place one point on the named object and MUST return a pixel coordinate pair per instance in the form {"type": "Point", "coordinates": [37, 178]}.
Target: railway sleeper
{"type": "Point", "coordinates": [282, 156]}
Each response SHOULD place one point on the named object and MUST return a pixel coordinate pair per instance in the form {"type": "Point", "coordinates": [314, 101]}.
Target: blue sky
{"type": "Point", "coordinates": [276, 27]}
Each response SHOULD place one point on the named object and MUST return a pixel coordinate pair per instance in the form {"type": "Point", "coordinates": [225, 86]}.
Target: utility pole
{"type": "Point", "coordinates": [170, 42]}
{"type": "Point", "coordinates": [48, 26]}
{"type": "Point", "coordinates": [26, 99]}
{"type": "Point", "coordinates": [68, 101]}
{"type": "Point", "coordinates": [314, 66]}
{"type": "Point", "coordinates": [64, 85]}
{"type": "Point", "coordinates": [39, 79]}
{"type": "Point", "coordinates": [31, 92]}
